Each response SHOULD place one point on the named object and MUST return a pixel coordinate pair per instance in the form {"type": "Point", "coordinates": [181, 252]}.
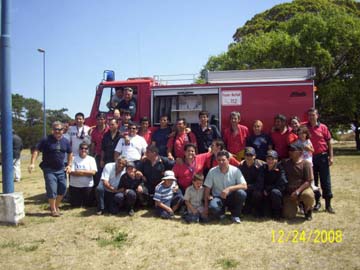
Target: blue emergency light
{"type": "Point", "coordinates": [109, 75]}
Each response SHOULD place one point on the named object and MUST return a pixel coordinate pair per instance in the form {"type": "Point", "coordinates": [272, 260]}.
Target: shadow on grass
{"type": "Point", "coordinates": [37, 199]}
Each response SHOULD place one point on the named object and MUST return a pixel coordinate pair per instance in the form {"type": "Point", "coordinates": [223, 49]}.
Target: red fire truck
{"type": "Point", "coordinates": [256, 94]}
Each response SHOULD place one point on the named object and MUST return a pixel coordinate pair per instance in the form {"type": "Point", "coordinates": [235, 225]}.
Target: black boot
{"type": "Point", "coordinates": [317, 200]}
{"type": "Point", "coordinates": [328, 207]}
{"type": "Point", "coordinates": [308, 215]}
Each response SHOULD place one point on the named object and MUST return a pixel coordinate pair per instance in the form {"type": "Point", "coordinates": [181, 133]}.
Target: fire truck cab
{"type": "Point", "coordinates": [256, 94]}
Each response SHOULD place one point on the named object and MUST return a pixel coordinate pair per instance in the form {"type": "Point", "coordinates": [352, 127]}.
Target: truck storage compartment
{"type": "Point", "coordinates": [184, 104]}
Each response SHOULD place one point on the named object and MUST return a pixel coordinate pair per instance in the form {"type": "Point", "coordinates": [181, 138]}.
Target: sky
{"type": "Point", "coordinates": [82, 38]}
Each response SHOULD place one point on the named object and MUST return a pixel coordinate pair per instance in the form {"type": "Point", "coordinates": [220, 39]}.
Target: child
{"type": "Point", "coordinates": [304, 140]}
{"type": "Point", "coordinates": [130, 188]}
{"type": "Point", "coordinates": [194, 200]}
{"type": "Point", "coordinates": [168, 198]}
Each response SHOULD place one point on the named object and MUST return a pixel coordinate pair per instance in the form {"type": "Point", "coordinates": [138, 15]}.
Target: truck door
{"type": "Point", "coordinates": [185, 103]}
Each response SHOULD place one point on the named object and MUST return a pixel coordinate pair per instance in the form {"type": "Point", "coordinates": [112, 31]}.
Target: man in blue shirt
{"type": "Point", "coordinates": [54, 148]}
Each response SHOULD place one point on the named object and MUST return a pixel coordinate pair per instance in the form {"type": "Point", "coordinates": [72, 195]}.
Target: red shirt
{"type": "Point", "coordinates": [320, 135]}
{"type": "Point", "coordinates": [180, 141]}
{"type": "Point", "coordinates": [211, 161]}
{"type": "Point", "coordinates": [236, 143]}
{"type": "Point", "coordinates": [185, 172]}
{"type": "Point", "coordinates": [281, 142]}
{"type": "Point", "coordinates": [147, 135]}
{"type": "Point", "coordinates": [96, 138]}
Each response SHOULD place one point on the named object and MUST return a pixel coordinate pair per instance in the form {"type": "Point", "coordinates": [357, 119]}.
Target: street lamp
{"type": "Point", "coordinates": [44, 110]}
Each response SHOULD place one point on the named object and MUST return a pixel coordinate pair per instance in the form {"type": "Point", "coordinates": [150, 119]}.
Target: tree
{"type": "Point", "coordinates": [28, 118]}
{"type": "Point", "coordinates": [324, 34]}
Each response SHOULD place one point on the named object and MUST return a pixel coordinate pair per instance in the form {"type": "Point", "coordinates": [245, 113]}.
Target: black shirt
{"type": "Point", "coordinates": [108, 146]}
{"type": "Point", "coordinates": [154, 173]}
{"type": "Point", "coordinates": [204, 138]}
{"type": "Point", "coordinates": [254, 175]}
{"type": "Point", "coordinates": [275, 178]}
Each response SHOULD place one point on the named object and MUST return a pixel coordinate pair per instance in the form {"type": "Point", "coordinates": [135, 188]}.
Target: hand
{"type": "Point", "coordinates": [265, 193]}
{"type": "Point", "coordinates": [294, 195]}
{"type": "Point", "coordinates": [170, 156]}
{"type": "Point", "coordinates": [224, 193]}
{"type": "Point", "coordinates": [68, 169]}
{"type": "Point", "coordinates": [31, 168]}
{"type": "Point", "coordinates": [102, 164]}
{"type": "Point", "coordinates": [138, 175]}
{"type": "Point", "coordinates": [139, 189]}
{"type": "Point", "coordinates": [331, 161]}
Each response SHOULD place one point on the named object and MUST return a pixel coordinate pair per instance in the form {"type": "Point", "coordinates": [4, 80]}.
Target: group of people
{"type": "Point", "coordinates": [120, 165]}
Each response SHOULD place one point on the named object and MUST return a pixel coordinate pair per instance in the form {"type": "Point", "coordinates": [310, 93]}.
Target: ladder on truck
{"type": "Point", "coordinates": [260, 75]}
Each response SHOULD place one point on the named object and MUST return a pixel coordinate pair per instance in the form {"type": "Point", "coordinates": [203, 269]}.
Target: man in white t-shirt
{"type": "Point", "coordinates": [81, 178]}
{"type": "Point", "coordinates": [79, 133]}
{"type": "Point", "coordinates": [109, 186]}
{"type": "Point", "coordinates": [132, 146]}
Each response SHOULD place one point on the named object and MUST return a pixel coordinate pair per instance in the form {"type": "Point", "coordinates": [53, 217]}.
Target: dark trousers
{"type": "Point", "coordinates": [273, 203]}
{"type": "Point", "coordinates": [110, 204]}
{"type": "Point", "coordinates": [234, 201]}
{"type": "Point", "coordinates": [80, 196]}
{"type": "Point", "coordinates": [126, 199]}
{"type": "Point", "coordinates": [253, 202]}
{"type": "Point", "coordinates": [322, 170]}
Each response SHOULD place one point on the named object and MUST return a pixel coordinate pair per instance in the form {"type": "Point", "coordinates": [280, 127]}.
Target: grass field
{"type": "Point", "coordinates": [81, 240]}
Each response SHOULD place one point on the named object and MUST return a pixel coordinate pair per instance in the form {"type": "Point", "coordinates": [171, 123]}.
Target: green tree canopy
{"type": "Point", "coordinates": [28, 118]}
{"type": "Point", "coordinates": [324, 34]}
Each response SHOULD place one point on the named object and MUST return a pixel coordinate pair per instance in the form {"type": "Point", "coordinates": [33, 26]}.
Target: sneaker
{"type": "Point", "coordinates": [100, 212]}
{"type": "Point", "coordinates": [17, 180]}
{"type": "Point", "coordinates": [222, 217]}
{"type": "Point", "coordinates": [317, 206]}
{"type": "Point", "coordinates": [330, 210]}
{"type": "Point", "coordinates": [55, 214]}
{"type": "Point", "coordinates": [308, 215]}
{"type": "Point", "coordinates": [131, 212]}
{"type": "Point", "coordinates": [236, 220]}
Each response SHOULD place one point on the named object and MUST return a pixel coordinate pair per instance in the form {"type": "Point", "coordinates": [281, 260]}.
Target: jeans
{"type": "Point", "coordinates": [55, 182]}
{"type": "Point", "coordinates": [321, 169]}
{"type": "Point", "coordinates": [234, 201]}
{"type": "Point", "coordinates": [100, 195]}
{"type": "Point", "coordinates": [127, 199]}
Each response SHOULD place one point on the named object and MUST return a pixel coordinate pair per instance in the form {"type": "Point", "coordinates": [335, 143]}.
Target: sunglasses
{"type": "Point", "coordinates": [84, 148]}
{"type": "Point", "coordinates": [57, 129]}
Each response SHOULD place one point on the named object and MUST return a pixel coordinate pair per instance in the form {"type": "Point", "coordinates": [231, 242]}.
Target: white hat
{"type": "Point", "coordinates": [169, 175]}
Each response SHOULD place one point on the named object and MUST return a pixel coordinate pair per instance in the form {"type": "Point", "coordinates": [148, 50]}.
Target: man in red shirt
{"type": "Point", "coordinates": [176, 143]}
{"type": "Point", "coordinates": [282, 136]}
{"type": "Point", "coordinates": [97, 135]}
{"type": "Point", "coordinates": [323, 158]}
{"type": "Point", "coordinates": [235, 136]}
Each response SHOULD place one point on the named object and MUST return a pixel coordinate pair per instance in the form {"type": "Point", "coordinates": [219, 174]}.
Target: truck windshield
{"type": "Point", "coordinates": [106, 95]}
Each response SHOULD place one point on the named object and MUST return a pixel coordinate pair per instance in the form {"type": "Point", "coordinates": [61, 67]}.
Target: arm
{"type": "Point", "coordinates": [190, 207]}
{"type": "Point", "coordinates": [206, 200]}
{"type": "Point", "coordinates": [69, 163]}
{"type": "Point", "coordinates": [83, 173]}
{"type": "Point", "coordinates": [330, 152]}
{"type": "Point", "coordinates": [32, 161]}
{"type": "Point", "coordinates": [108, 186]}
{"type": "Point", "coordinates": [164, 206]}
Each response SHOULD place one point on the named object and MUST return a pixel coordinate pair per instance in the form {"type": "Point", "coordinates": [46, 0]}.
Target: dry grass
{"type": "Point", "coordinates": [81, 240]}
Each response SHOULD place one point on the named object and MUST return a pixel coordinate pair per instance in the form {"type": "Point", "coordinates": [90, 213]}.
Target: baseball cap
{"type": "Point", "coordinates": [272, 153]}
{"type": "Point", "coordinates": [169, 175]}
{"type": "Point", "coordinates": [130, 164]}
{"type": "Point", "coordinates": [250, 151]}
